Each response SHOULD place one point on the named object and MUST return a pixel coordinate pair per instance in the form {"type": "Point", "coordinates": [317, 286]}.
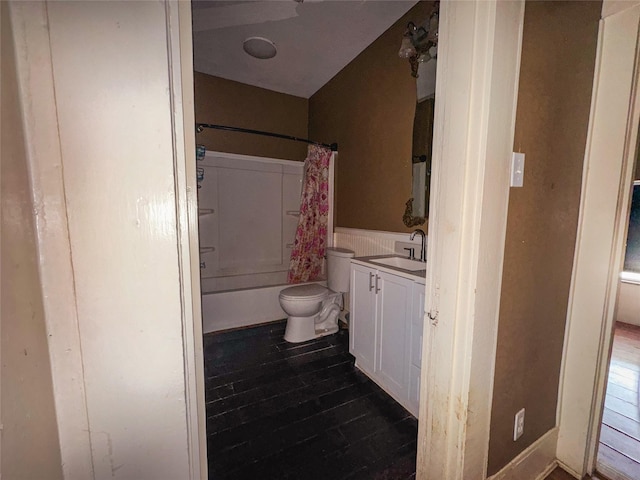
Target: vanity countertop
{"type": "Point", "coordinates": [416, 275]}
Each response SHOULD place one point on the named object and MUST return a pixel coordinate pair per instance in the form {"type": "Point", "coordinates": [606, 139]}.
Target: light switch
{"type": "Point", "coordinates": [517, 169]}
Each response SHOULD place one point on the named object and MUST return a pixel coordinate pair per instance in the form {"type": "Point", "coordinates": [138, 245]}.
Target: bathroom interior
{"type": "Point", "coordinates": [312, 79]}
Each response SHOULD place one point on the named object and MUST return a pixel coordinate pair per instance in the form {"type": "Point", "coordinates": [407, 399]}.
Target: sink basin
{"type": "Point", "coordinates": [401, 262]}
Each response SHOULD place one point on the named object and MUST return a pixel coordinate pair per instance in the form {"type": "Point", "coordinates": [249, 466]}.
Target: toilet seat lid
{"type": "Point", "coordinates": [312, 291]}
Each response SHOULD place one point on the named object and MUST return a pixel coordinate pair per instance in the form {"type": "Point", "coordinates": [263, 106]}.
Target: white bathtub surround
{"type": "Point", "coordinates": [249, 208]}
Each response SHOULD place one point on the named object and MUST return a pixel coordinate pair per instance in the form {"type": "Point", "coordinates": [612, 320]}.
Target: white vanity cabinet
{"type": "Point", "coordinates": [415, 347]}
{"type": "Point", "coordinates": [386, 311]}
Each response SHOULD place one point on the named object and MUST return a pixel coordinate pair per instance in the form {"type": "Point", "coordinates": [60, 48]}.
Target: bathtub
{"type": "Point", "coordinates": [234, 302]}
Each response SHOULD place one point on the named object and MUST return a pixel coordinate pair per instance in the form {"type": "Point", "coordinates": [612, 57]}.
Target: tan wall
{"type": "Point", "coordinates": [558, 58]}
{"type": "Point", "coordinates": [368, 109]}
{"type": "Point", "coordinates": [225, 102]}
{"type": "Point", "coordinates": [30, 448]}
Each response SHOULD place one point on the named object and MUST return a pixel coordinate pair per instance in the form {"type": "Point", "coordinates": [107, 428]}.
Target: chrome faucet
{"type": "Point", "coordinates": [423, 249]}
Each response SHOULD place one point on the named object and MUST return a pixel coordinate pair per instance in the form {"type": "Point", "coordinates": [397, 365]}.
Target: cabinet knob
{"type": "Point", "coordinates": [371, 287]}
{"type": "Point", "coordinates": [377, 287]}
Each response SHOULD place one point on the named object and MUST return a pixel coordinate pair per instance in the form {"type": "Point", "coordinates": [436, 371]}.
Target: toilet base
{"type": "Point", "coordinates": [302, 329]}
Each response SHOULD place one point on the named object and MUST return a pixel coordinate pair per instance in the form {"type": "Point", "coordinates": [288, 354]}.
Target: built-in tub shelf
{"type": "Point", "coordinates": [207, 249]}
{"type": "Point", "coordinates": [205, 211]}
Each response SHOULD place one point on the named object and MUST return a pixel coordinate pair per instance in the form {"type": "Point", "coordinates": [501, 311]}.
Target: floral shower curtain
{"type": "Point", "coordinates": [308, 250]}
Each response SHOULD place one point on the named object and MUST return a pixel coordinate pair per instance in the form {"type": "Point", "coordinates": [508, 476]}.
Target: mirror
{"type": "Point", "coordinates": [417, 207]}
{"type": "Point", "coordinates": [419, 46]}
{"type": "Point", "coordinates": [421, 155]}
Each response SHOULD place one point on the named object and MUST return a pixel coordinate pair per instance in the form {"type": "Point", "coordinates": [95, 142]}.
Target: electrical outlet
{"type": "Point", "coordinates": [518, 425]}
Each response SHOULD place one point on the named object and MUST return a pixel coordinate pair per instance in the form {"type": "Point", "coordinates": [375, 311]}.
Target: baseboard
{"type": "Point", "coordinates": [534, 463]}
{"type": "Point", "coordinates": [569, 470]}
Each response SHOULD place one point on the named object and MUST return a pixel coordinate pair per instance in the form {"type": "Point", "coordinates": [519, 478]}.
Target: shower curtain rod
{"type": "Point", "coordinates": [202, 126]}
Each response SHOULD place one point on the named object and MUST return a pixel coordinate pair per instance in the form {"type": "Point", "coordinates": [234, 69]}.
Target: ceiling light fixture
{"type": "Point", "coordinates": [420, 44]}
{"type": "Point", "coordinates": [260, 47]}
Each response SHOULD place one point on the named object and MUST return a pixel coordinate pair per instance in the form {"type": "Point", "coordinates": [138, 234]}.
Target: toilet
{"type": "Point", "coordinates": [312, 310]}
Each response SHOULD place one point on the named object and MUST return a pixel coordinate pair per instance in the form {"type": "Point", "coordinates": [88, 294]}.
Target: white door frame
{"type": "Point", "coordinates": [604, 209]}
{"type": "Point", "coordinates": [476, 87]}
{"type": "Point", "coordinates": [54, 249]}
{"type": "Point", "coordinates": [34, 64]}
{"type": "Point", "coordinates": [180, 48]}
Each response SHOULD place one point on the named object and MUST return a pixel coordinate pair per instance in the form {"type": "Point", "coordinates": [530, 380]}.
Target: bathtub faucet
{"type": "Point", "coordinates": [423, 249]}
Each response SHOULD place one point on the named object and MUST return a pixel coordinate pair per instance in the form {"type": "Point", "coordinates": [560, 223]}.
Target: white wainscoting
{"type": "Point", "coordinates": [372, 242]}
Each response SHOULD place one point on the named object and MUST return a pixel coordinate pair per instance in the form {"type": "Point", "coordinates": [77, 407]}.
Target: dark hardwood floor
{"type": "Point", "coordinates": [619, 447]}
{"type": "Point", "coordinates": [299, 411]}
{"type": "Point", "coordinates": [302, 411]}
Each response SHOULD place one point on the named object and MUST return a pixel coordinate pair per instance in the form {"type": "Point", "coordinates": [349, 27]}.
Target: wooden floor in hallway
{"type": "Point", "coordinates": [619, 447]}
{"type": "Point", "coordinates": [277, 410]}
{"type": "Point", "coordinates": [559, 474]}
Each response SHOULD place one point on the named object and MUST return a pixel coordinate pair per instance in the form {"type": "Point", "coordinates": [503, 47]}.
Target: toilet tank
{"type": "Point", "coordinates": [338, 263]}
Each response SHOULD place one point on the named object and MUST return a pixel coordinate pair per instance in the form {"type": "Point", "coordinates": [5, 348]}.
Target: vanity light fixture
{"type": "Point", "coordinates": [420, 44]}
{"type": "Point", "coordinates": [260, 47]}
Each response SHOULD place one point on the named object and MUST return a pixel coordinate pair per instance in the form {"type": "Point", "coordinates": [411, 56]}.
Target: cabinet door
{"type": "Point", "coordinates": [394, 320]}
{"type": "Point", "coordinates": [415, 347]}
{"type": "Point", "coordinates": [413, 403]}
{"type": "Point", "coordinates": [417, 322]}
{"type": "Point", "coordinates": [362, 325]}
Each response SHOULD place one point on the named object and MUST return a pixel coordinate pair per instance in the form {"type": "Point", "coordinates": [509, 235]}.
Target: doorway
{"type": "Point", "coordinates": [605, 198]}
{"type": "Point", "coordinates": [619, 442]}
{"type": "Point", "coordinates": [275, 409]}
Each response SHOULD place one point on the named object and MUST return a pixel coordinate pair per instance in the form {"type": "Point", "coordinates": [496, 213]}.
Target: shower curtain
{"type": "Point", "coordinates": [308, 250]}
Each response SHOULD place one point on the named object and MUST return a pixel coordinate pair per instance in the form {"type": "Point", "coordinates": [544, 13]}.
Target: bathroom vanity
{"type": "Point", "coordinates": [385, 327]}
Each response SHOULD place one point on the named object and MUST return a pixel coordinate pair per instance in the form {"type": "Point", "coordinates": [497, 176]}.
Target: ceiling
{"type": "Point", "coordinates": [315, 39]}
